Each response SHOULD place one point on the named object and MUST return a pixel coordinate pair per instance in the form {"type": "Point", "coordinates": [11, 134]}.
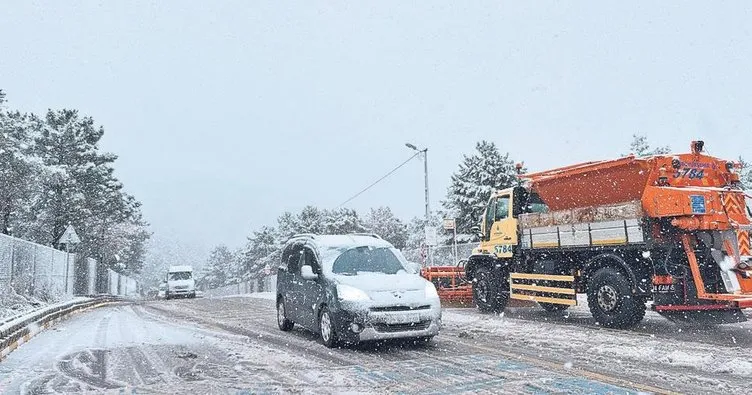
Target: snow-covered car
{"type": "Point", "coordinates": [354, 288]}
{"type": "Point", "coordinates": [180, 282]}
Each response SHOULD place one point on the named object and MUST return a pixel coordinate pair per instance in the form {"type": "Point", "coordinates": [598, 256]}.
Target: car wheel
{"type": "Point", "coordinates": [611, 301]}
{"type": "Point", "coordinates": [282, 321]}
{"type": "Point", "coordinates": [326, 329]}
{"type": "Point", "coordinates": [487, 292]}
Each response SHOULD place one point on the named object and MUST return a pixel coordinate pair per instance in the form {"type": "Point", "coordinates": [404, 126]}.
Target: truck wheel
{"type": "Point", "coordinates": [487, 292]}
{"type": "Point", "coordinates": [553, 307]}
{"type": "Point", "coordinates": [611, 301]}
{"type": "Point", "coordinates": [282, 321]}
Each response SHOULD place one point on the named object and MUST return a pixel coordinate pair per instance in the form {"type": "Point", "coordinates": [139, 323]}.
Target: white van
{"type": "Point", "coordinates": [180, 282]}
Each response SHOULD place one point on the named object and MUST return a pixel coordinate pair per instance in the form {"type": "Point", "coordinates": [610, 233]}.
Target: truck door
{"type": "Point", "coordinates": [503, 232]}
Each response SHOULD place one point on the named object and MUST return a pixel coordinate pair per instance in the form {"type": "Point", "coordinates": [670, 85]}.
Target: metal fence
{"type": "Point", "coordinates": [31, 269]}
{"type": "Point", "coordinates": [440, 255]}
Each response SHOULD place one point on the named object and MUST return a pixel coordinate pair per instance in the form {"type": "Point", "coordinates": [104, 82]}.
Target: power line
{"type": "Point", "coordinates": [379, 180]}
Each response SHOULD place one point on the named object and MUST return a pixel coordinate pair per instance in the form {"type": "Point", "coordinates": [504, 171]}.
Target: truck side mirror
{"type": "Point", "coordinates": [307, 273]}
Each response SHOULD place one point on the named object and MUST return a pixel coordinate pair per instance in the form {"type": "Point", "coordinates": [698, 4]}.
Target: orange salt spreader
{"type": "Point", "coordinates": [692, 201]}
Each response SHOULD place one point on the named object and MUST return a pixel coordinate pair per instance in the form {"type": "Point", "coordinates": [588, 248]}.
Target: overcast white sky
{"type": "Point", "coordinates": [224, 114]}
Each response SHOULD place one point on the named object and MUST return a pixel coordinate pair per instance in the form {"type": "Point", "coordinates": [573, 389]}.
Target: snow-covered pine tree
{"type": "Point", "coordinates": [262, 249]}
{"type": "Point", "coordinates": [477, 177]}
{"type": "Point", "coordinates": [287, 226]}
{"type": "Point", "coordinates": [19, 170]}
{"type": "Point", "coordinates": [382, 221]}
{"type": "Point", "coordinates": [311, 220]}
{"type": "Point", "coordinates": [218, 270]}
{"type": "Point", "coordinates": [342, 221]}
{"type": "Point", "coordinates": [80, 189]}
{"type": "Point", "coordinates": [639, 147]}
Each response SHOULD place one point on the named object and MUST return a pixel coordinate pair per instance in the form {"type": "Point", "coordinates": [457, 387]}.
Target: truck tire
{"type": "Point", "coordinates": [487, 292]}
{"type": "Point", "coordinates": [611, 301]}
{"type": "Point", "coordinates": [553, 307]}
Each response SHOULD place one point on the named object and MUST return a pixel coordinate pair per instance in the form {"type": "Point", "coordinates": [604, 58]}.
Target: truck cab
{"type": "Point", "coordinates": [499, 231]}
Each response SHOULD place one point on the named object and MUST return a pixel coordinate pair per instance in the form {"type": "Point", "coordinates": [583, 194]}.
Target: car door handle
{"type": "Point", "coordinates": [508, 238]}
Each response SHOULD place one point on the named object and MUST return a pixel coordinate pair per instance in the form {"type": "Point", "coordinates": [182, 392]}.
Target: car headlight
{"type": "Point", "coordinates": [431, 291]}
{"type": "Point", "coordinates": [346, 292]}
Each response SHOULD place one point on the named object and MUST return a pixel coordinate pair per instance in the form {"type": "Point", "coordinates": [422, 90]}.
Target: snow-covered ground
{"type": "Point", "coordinates": [232, 345]}
{"type": "Point", "coordinates": [13, 304]}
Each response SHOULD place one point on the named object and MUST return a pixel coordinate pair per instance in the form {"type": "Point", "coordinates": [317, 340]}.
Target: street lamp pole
{"type": "Point", "coordinates": [424, 152]}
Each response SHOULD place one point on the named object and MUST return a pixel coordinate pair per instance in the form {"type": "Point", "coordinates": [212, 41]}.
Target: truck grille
{"type": "Point", "coordinates": [391, 328]}
{"type": "Point", "coordinates": [400, 308]}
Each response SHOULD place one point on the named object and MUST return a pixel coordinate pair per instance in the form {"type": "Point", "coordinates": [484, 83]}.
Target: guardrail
{"type": "Point", "coordinates": [18, 331]}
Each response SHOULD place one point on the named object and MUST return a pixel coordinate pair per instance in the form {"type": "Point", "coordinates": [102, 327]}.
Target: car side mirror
{"type": "Point", "coordinates": [307, 273]}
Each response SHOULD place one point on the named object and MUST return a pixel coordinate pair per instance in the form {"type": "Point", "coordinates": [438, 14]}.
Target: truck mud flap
{"type": "Point", "coordinates": [543, 288]}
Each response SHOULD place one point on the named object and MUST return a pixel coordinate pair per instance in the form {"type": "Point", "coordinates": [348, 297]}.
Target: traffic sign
{"type": "Point", "coordinates": [449, 223]}
{"type": "Point", "coordinates": [69, 236]}
{"type": "Point", "coordinates": [431, 239]}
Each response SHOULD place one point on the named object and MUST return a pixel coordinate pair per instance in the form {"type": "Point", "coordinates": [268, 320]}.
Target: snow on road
{"type": "Point", "coordinates": [232, 345]}
{"type": "Point", "coordinates": [254, 295]}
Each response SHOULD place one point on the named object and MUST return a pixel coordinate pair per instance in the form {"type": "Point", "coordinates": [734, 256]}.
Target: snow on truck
{"type": "Point", "coordinates": [671, 229]}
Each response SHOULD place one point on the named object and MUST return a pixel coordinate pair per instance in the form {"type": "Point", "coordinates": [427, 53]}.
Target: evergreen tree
{"type": "Point", "coordinates": [342, 221]}
{"type": "Point", "coordinates": [287, 226]}
{"type": "Point", "coordinates": [383, 222]}
{"type": "Point", "coordinates": [81, 190]}
{"type": "Point", "coordinates": [639, 147]}
{"type": "Point", "coordinates": [218, 270]}
{"type": "Point", "coordinates": [474, 182]}
{"type": "Point", "coordinates": [262, 250]}
{"type": "Point", "coordinates": [311, 220]}
{"type": "Point", "coordinates": [19, 170]}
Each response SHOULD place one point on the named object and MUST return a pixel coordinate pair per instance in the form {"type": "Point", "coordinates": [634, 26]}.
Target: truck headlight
{"type": "Point", "coordinates": [351, 294]}
{"type": "Point", "coordinates": [431, 291]}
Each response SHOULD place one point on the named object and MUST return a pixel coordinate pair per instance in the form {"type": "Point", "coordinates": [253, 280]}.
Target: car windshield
{"type": "Point", "coordinates": [367, 259]}
{"type": "Point", "coordinates": [180, 276]}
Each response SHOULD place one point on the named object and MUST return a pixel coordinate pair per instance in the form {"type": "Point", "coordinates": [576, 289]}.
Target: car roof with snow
{"type": "Point", "coordinates": [175, 269]}
{"type": "Point", "coordinates": [344, 241]}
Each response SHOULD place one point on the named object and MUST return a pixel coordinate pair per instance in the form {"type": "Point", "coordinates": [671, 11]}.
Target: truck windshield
{"type": "Point", "coordinates": [367, 259]}
{"type": "Point", "coordinates": [179, 276]}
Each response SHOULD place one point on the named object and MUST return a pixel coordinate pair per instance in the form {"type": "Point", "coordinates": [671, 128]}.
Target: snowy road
{"type": "Point", "coordinates": [232, 345]}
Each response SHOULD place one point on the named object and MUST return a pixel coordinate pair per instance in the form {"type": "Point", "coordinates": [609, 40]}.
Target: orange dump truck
{"type": "Point", "coordinates": [671, 229]}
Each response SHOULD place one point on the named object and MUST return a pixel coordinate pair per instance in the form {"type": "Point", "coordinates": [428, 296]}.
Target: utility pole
{"type": "Point", "coordinates": [424, 152]}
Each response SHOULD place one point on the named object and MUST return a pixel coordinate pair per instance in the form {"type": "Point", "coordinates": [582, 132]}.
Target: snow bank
{"type": "Point", "coordinates": [13, 304]}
